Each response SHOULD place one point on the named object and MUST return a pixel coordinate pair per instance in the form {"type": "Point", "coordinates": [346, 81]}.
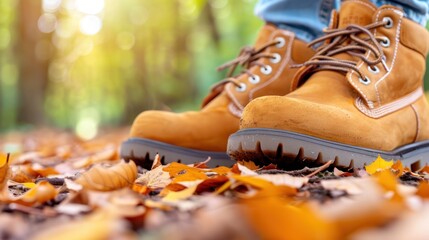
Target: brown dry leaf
{"type": "Point", "coordinates": [154, 179]}
{"type": "Point", "coordinates": [100, 178]}
{"type": "Point", "coordinates": [108, 153]}
{"type": "Point", "coordinates": [38, 170]}
{"type": "Point", "coordinates": [378, 165]}
{"type": "Point", "coordinates": [249, 164]}
{"type": "Point", "coordinates": [425, 169]}
{"type": "Point", "coordinates": [18, 175]}
{"type": "Point", "coordinates": [273, 217]}
{"type": "Point", "coordinates": [211, 184]}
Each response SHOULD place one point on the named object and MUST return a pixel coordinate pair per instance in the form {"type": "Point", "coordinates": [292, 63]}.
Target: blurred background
{"type": "Point", "coordinates": [86, 64]}
{"type": "Point", "coordinates": [90, 64]}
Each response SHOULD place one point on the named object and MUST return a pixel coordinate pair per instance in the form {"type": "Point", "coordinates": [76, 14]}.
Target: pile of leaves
{"type": "Point", "coordinates": [56, 186]}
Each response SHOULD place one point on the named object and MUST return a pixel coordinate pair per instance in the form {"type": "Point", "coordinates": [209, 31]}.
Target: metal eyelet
{"type": "Point", "coordinates": [266, 69]}
{"type": "Point", "coordinates": [388, 21]}
{"type": "Point", "coordinates": [276, 58]}
{"type": "Point", "coordinates": [365, 81]}
{"type": "Point", "coordinates": [241, 88]}
{"type": "Point", "coordinates": [385, 42]}
{"type": "Point", "coordinates": [281, 42]}
{"type": "Point", "coordinates": [373, 69]}
{"type": "Point", "coordinates": [255, 79]}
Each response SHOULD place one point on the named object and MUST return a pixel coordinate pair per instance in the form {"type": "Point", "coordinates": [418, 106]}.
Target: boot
{"type": "Point", "coordinates": [360, 96]}
{"type": "Point", "coordinates": [194, 136]}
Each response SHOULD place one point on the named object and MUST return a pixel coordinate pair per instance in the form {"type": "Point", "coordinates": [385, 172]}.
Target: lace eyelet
{"type": "Point", "coordinates": [281, 42]}
{"type": "Point", "coordinates": [276, 58]}
{"type": "Point", "coordinates": [385, 42]}
{"type": "Point", "coordinates": [388, 21]}
{"type": "Point", "coordinates": [242, 87]}
{"type": "Point", "coordinates": [255, 79]}
{"type": "Point", "coordinates": [266, 69]}
{"type": "Point", "coordinates": [365, 81]}
{"type": "Point", "coordinates": [373, 69]}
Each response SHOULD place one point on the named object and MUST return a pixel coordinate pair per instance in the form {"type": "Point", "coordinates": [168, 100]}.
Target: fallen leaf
{"type": "Point", "coordinates": [181, 172]}
{"type": "Point", "coordinates": [378, 165]}
{"type": "Point", "coordinates": [423, 190]}
{"type": "Point", "coordinates": [100, 178]}
{"type": "Point", "coordinates": [273, 217]}
{"type": "Point", "coordinates": [211, 184]}
{"type": "Point", "coordinates": [40, 193]}
{"type": "Point", "coordinates": [253, 181]}
{"type": "Point", "coordinates": [285, 179]}
{"type": "Point", "coordinates": [4, 169]}
{"type": "Point", "coordinates": [180, 195]}
{"type": "Point", "coordinates": [249, 164]}
{"type": "Point", "coordinates": [398, 168]}
{"type": "Point", "coordinates": [154, 179]}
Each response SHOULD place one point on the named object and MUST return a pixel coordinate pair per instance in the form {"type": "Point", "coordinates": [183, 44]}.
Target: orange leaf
{"type": "Point", "coordinates": [273, 217]}
{"type": "Point", "coordinates": [423, 190]}
{"type": "Point", "coordinates": [378, 165]}
{"type": "Point", "coordinates": [398, 168]}
{"type": "Point", "coordinates": [4, 169]}
{"type": "Point", "coordinates": [388, 182]}
{"type": "Point", "coordinates": [249, 164]}
{"type": "Point", "coordinates": [41, 193]}
{"type": "Point", "coordinates": [253, 181]}
{"type": "Point", "coordinates": [222, 170]}
{"type": "Point", "coordinates": [211, 184]}
{"type": "Point", "coordinates": [190, 175]}
{"type": "Point", "coordinates": [107, 179]}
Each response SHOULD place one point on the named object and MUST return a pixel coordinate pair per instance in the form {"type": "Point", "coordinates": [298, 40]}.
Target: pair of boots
{"type": "Point", "coordinates": [359, 95]}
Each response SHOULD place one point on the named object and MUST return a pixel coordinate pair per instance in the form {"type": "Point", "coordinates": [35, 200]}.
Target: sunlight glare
{"type": "Point", "coordinates": [90, 6]}
{"type": "Point", "coordinates": [51, 5]}
{"type": "Point", "coordinates": [90, 25]}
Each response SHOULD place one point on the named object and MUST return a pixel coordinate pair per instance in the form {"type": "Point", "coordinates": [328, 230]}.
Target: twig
{"type": "Point", "coordinates": [321, 168]}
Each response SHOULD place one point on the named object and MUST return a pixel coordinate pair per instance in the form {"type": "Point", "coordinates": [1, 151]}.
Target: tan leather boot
{"type": "Point", "coordinates": [360, 96]}
{"type": "Point", "coordinates": [194, 136]}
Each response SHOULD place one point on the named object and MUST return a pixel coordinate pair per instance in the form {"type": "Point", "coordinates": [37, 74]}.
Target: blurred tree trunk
{"type": "Point", "coordinates": [33, 72]}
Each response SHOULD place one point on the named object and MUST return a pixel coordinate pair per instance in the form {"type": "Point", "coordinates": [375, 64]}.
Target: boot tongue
{"type": "Point", "coordinates": [357, 12]}
{"type": "Point", "coordinates": [264, 35]}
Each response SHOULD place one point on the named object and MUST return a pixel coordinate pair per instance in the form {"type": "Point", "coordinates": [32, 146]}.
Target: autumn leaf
{"type": "Point", "coordinates": [4, 169]}
{"type": "Point", "coordinates": [107, 179]}
{"type": "Point", "coordinates": [180, 172]}
{"type": "Point", "coordinates": [211, 184]}
{"type": "Point", "coordinates": [249, 164]}
{"type": "Point", "coordinates": [378, 165]}
{"type": "Point", "coordinates": [273, 217]}
{"type": "Point", "coordinates": [253, 181]}
{"type": "Point", "coordinates": [423, 190]}
{"type": "Point", "coordinates": [154, 179]}
{"type": "Point", "coordinates": [38, 194]}
{"type": "Point", "coordinates": [180, 195]}
{"type": "Point", "coordinates": [398, 168]}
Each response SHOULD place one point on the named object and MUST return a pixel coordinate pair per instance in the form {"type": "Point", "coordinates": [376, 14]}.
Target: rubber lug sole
{"type": "Point", "coordinates": [143, 151]}
{"type": "Point", "coordinates": [292, 150]}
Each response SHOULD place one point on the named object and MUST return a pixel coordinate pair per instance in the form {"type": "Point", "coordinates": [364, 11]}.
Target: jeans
{"type": "Point", "coordinates": [308, 18]}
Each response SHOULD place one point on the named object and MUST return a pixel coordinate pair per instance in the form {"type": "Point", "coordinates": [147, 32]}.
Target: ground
{"type": "Point", "coordinates": [57, 186]}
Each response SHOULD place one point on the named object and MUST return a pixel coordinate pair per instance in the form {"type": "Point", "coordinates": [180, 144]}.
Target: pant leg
{"type": "Point", "coordinates": [305, 18]}
{"type": "Point", "coordinates": [416, 10]}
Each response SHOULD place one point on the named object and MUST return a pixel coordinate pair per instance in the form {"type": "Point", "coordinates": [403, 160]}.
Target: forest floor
{"type": "Point", "coordinates": [57, 186]}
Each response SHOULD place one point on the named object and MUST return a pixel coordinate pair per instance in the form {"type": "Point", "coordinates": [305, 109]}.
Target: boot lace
{"type": "Point", "coordinates": [247, 58]}
{"type": "Point", "coordinates": [354, 40]}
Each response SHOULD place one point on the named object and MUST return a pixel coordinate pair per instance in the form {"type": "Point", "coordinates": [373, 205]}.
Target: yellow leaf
{"type": "Point", "coordinates": [100, 178]}
{"type": "Point", "coordinates": [388, 182]}
{"type": "Point", "coordinates": [181, 172]}
{"type": "Point", "coordinates": [253, 181]}
{"type": "Point", "coordinates": [378, 165]}
{"type": "Point", "coordinates": [4, 169]}
{"type": "Point", "coordinates": [29, 184]}
{"type": "Point", "coordinates": [40, 193]}
{"type": "Point", "coordinates": [181, 195]}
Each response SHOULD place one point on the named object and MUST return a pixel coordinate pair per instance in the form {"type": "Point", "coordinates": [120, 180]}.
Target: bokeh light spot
{"type": "Point", "coordinates": [51, 5]}
{"type": "Point", "coordinates": [87, 128]}
{"type": "Point", "coordinates": [90, 25]}
{"type": "Point", "coordinates": [47, 23]}
{"type": "Point", "coordinates": [90, 6]}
